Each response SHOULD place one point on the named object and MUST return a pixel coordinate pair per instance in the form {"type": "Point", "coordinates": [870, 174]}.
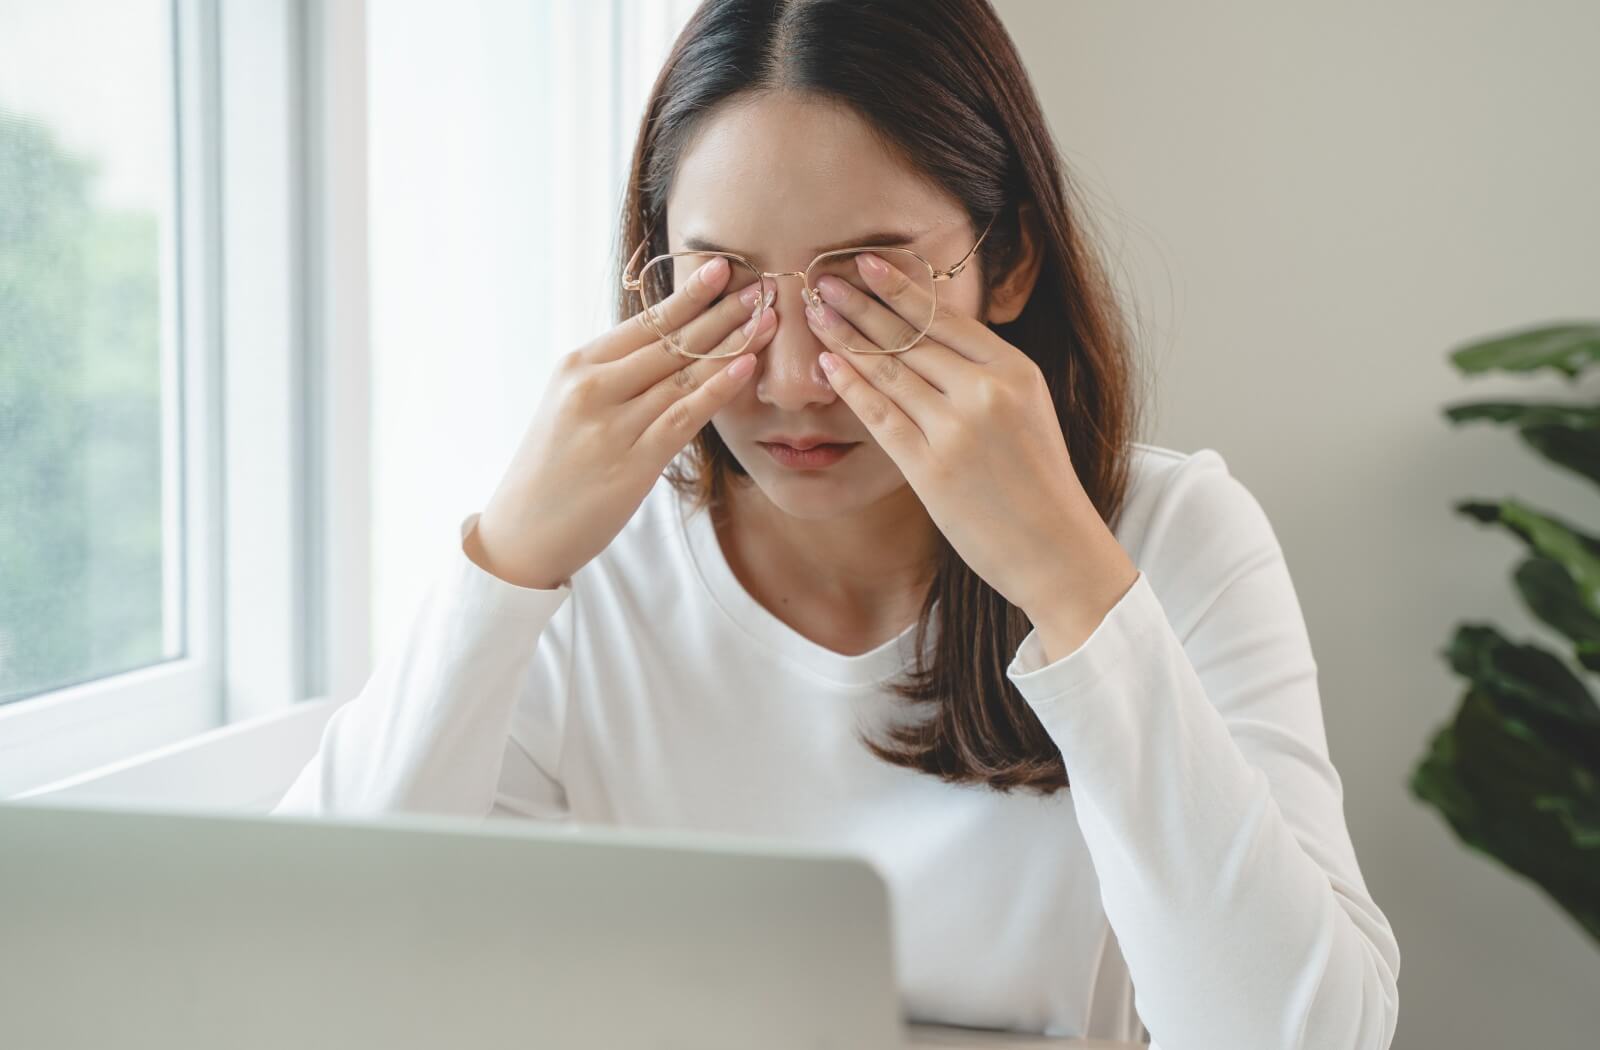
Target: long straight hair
{"type": "Point", "coordinates": [941, 82]}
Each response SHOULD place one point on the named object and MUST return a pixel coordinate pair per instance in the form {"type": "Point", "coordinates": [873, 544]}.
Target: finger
{"type": "Point", "coordinates": [908, 298]}
{"type": "Point", "coordinates": [878, 326]}
{"type": "Point", "coordinates": [891, 428]}
{"type": "Point", "coordinates": [717, 331]}
{"type": "Point", "coordinates": [699, 291]}
{"type": "Point", "coordinates": [645, 409]}
{"type": "Point", "coordinates": [886, 373]}
{"type": "Point", "coordinates": [703, 333]}
{"type": "Point", "coordinates": [685, 415]}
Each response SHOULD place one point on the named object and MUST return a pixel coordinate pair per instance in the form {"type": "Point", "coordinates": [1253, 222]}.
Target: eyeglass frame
{"type": "Point", "coordinates": [811, 295]}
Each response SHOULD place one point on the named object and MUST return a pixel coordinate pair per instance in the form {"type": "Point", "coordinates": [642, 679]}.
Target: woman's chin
{"type": "Point", "coordinates": [820, 495]}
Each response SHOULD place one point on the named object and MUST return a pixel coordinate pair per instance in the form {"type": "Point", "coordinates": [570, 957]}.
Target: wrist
{"type": "Point", "coordinates": [1090, 582]}
{"type": "Point", "coordinates": [473, 546]}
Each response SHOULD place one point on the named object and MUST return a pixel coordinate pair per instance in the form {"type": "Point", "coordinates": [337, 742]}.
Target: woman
{"type": "Point", "coordinates": [1054, 682]}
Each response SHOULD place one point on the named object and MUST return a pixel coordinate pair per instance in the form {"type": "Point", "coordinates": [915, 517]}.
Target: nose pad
{"type": "Point", "coordinates": [792, 378]}
{"type": "Point", "coordinates": [807, 294]}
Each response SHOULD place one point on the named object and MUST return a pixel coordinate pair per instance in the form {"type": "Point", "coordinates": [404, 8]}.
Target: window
{"type": "Point", "coordinates": [211, 492]}
{"type": "Point", "coordinates": [94, 560]}
{"type": "Point", "coordinates": [99, 585]}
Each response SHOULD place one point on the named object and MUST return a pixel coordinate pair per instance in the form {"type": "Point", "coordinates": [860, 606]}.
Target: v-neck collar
{"type": "Point", "coordinates": [715, 574]}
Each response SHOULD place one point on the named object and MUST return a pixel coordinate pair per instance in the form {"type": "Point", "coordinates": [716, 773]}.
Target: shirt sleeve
{"type": "Point", "coordinates": [1191, 729]}
{"type": "Point", "coordinates": [462, 716]}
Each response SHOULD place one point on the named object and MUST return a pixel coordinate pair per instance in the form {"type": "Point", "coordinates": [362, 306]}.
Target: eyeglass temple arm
{"type": "Point", "coordinates": [630, 280]}
{"type": "Point", "coordinates": [945, 275]}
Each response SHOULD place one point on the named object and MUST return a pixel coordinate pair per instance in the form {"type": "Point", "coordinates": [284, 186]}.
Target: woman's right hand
{"type": "Point", "coordinates": [614, 414]}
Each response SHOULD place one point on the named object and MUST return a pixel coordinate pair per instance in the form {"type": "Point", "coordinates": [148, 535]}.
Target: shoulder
{"type": "Point", "coordinates": [1191, 525]}
{"type": "Point", "coordinates": [1199, 486]}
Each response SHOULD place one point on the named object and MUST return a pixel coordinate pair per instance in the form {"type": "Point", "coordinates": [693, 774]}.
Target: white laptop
{"type": "Point", "coordinates": [143, 929]}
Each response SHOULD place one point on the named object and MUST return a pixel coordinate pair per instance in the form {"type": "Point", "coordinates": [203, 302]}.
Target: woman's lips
{"type": "Point", "coordinates": [811, 458]}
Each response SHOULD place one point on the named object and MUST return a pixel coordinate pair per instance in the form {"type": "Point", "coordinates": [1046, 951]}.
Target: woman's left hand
{"type": "Point", "coordinates": [968, 419]}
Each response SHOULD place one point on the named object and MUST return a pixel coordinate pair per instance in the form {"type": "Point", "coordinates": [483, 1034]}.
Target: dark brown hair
{"type": "Point", "coordinates": [941, 82]}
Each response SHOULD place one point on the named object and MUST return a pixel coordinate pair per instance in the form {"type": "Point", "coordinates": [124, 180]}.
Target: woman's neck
{"type": "Point", "coordinates": [859, 579]}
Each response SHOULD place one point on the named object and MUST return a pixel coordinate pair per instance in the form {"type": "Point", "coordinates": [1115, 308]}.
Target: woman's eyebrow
{"type": "Point", "coordinates": [883, 238]}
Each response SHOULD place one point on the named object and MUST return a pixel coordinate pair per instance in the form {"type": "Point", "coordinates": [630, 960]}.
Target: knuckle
{"type": "Point", "coordinates": [899, 432]}
{"type": "Point", "coordinates": [679, 418]}
{"type": "Point", "coordinates": [888, 370]}
{"type": "Point", "coordinates": [583, 388]}
{"type": "Point", "coordinates": [697, 291]}
{"type": "Point", "coordinates": [735, 341]}
{"type": "Point", "coordinates": [989, 393]}
{"type": "Point", "coordinates": [685, 380]}
{"type": "Point", "coordinates": [876, 416]}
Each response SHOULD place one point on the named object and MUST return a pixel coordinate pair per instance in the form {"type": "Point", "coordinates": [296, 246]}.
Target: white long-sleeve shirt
{"type": "Point", "coordinates": [1195, 886]}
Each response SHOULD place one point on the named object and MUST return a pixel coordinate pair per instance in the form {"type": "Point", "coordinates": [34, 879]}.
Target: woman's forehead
{"type": "Point", "coordinates": [777, 172]}
{"type": "Point", "coordinates": [782, 145]}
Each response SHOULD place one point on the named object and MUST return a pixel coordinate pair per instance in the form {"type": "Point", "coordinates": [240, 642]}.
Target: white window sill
{"type": "Point", "coordinates": [244, 767]}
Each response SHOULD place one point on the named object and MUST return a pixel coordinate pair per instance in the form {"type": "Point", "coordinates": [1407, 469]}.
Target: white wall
{"type": "Point", "coordinates": [1311, 204]}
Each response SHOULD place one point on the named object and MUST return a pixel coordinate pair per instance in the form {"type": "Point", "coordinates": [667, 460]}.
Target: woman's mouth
{"type": "Point", "coordinates": [809, 459]}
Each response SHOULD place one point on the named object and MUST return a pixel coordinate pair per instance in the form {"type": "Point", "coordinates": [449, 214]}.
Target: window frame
{"type": "Point", "coordinates": [271, 238]}
{"type": "Point", "coordinates": [96, 721]}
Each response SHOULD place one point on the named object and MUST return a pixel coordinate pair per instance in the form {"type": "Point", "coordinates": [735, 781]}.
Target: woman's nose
{"type": "Point", "coordinates": [788, 376]}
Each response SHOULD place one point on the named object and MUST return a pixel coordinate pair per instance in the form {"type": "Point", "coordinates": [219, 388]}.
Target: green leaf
{"type": "Point", "coordinates": [1537, 698]}
{"type": "Point", "coordinates": [1582, 817]}
{"type": "Point", "coordinates": [1565, 434]}
{"type": "Point", "coordinates": [1551, 594]}
{"type": "Point", "coordinates": [1519, 802]}
{"type": "Point", "coordinates": [1524, 679]}
{"type": "Point", "coordinates": [1548, 536]}
{"type": "Point", "coordinates": [1568, 348]}
{"type": "Point", "coordinates": [1526, 413]}
{"type": "Point", "coordinates": [1576, 450]}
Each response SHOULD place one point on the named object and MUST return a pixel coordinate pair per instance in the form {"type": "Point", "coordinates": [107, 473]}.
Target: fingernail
{"type": "Point", "coordinates": [741, 368]}
{"type": "Point", "coordinates": [750, 325]}
{"type": "Point", "coordinates": [832, 289]}
{"type": "Point", "coordinates": [829, 363]}
{"type": "Point", "coordinates": [876, 266]}
{"type": "Point", "coordinates": [712, 270]}
{"type": "Point", "coordinates": [750, 294]}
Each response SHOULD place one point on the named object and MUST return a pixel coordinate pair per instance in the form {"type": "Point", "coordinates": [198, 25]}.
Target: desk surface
{"type": "Point", "coordinates": [940, 1037]}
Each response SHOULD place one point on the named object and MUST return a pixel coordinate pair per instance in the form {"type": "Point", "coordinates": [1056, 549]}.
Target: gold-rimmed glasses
{"type": "Point", "coordinates": [662, 274]}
